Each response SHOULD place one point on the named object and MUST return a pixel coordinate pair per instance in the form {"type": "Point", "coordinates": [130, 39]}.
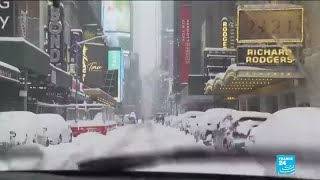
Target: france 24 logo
{"type": "Point", "coordinates": [286, 164]}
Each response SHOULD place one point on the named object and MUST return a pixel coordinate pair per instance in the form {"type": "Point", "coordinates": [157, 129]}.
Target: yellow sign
{"type": "Point", "coordinates": [269, 25]}
{"type": "Point", "coordinates": [224, 32]}
{"type": "Point", "coordinates": [94, 67]}
{"type": "Point", "coordinates": [84, 62]}
{"type": "Point", "coordinates": [265, 56]}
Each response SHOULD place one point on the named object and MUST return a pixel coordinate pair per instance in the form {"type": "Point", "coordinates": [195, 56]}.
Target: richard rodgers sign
{"type": "Point", "coordinates": [258, 56]}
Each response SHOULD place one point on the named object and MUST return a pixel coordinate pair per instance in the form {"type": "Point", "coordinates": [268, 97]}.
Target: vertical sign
{"type": "Point", "coordinates": [114, 59]}
{"type": "Point", "coordinates": [56, 37]}
{"type": "Point", "coordinates": [185, 27]}
{"type": "Point", "coordinates": [224, 24]}
{"type": "Point", "coordinates": [115, 62]}
{"type": "Point", "coordinates": [76, 50]}
{"type": "Point", "coordinates": [121, 76]}
{"type": "Point", "coordinates": [6, 18]}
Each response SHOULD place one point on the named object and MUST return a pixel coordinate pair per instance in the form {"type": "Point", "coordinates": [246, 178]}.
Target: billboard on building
{"type": "Point", "coordinates": [266, 56]}
{"type": "Point", "coordinates": [269, 24]}
{"type": "Point", "coordinates": [6, 18]}
{"type": "Point", "coordinates": [116, 62]}
{"type": "Point", "coordinates": [116, 23]}
{"type": "Point", "coordinates": [93, 64]}
{"type": "Point", "coordinates": [185, 33]}
{"type": "Point", "coordinates": [56, 36]}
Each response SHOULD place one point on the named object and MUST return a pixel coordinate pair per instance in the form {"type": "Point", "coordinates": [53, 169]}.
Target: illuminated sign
{"type": "Point", "coordinates": [266, 56]}
{"type": "Point", "coordinates": [93, 64]}
{"type": "Point", "coordinates": [55, 34]}
{"type": "Point", "coordinates": [224, 22]}
{"type": "Point", "coordinates": [116, 23]}
{"type": "Point", "coordinates": [269, 25]}
{"type": "Point", "coordinates": [114, 57]}
{"type": "Point", "coordinates": [84, 62]}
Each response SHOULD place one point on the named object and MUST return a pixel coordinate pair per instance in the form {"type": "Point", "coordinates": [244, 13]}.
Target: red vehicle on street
{"type": "Point", "coordinates": [84, 118]}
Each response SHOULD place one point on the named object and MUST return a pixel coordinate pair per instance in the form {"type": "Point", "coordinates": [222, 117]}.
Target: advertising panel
{"type": "Point", "coordinates": [6, 18]}
{"type": "Point", "coordinates": [269, 25]}
{"type": "Point", "coordinates": [261, 56]}
{"type": "Point", "coordinates": [228, 32]}
{"type": "Point", "coordinates": [93, 64]}
{"type": "Point", "coordinates": [185, 30]}
{"type": "Point", "coordinates": [114, 57]}
{"type": "Point", "coordinates": [76, 50]}
{"type": "Point", "coordinates": [116, 23]}
{"type": "Point", "coordinates": [56, 35]}
{"type": "Point", "coordinates": [116, 62]}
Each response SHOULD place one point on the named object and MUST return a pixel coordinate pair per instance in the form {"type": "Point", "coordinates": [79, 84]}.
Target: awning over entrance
{"type": "Point", "coordinates": [241, 79]}
{"type": "Point", "coordinates": [8, 72]}
{"type": "Point", "coordinates": [101, 96]}
{"type": "Point", "coordinates": [20, 53]}
{"type": "Point", "coordinates": [60, 78]}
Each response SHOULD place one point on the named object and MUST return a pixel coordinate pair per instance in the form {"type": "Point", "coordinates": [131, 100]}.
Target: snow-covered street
{"type": "Point", "coordinates": [140, 138]}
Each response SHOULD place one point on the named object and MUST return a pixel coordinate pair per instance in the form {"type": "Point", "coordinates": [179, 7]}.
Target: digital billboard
{"type": "Point", "coordinates": [116, 62]}
{"type": "Point", "coordinates": [114, 57]}
{"type": "Point", "coordinates": [93, 64]}
{"type": "Point", "coordinates": [116, 23]}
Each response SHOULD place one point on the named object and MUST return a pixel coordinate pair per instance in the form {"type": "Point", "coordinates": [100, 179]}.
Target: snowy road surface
{"type": "Point", "coordinates": [139, 138]}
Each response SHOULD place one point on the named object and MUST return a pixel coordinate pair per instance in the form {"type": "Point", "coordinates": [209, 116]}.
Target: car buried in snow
{"type": "Point", "coordinates": [20, 128]}
{"type": "Point", "coordinates": [56, 128]}
{"type": "Point", "coordinates": [226, 128]}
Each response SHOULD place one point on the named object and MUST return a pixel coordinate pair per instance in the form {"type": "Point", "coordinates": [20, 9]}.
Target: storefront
{"type": "Point", "coordinates": [268, 75]}
{"type": "Point", "coordinates": [9, 86]}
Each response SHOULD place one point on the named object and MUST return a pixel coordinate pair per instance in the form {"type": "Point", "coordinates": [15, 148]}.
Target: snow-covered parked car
{"type": "Point", "coordinates": [56, 128]}
{"type": "Point", "coordinates": [222, 139]}
{"type": "Point", "coordinates": [288, 130]}
{"type": "Point", "coordinates": [237, 135]}
{"type": "Point", "coordinates": [20, 127]}
{"type": "Point", "coordinates": [187, 118]}
{"type": "Point", "coordinates": [208, 126]}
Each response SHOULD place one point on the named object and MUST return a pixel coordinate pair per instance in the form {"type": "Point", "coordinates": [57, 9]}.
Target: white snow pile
{"type": "Point", "coordinates": [290, 130]}
{"type": "Point", "coordinates": [245, 126]}
{"type": "Point", "coordinates": [235, 67]}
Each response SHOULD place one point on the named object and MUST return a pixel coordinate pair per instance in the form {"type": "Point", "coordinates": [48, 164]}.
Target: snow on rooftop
{"type": "Point", "coordinates": [235, 67]}
{"type": "Point", "coordinates": [68, 73]}
{"type": "Point", "coordinates": [3, 64]}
